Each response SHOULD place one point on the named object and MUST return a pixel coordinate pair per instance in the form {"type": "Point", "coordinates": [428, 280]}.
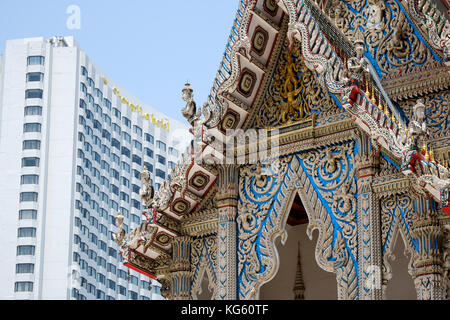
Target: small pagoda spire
{"type": "Point", "coordinates": [299, 286]}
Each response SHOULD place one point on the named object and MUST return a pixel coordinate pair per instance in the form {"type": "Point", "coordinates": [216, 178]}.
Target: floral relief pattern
{"type": "Point", "coordinates": [203, 260]}
{"type": "Point", "coordinates": [325, 180]}
{"type": "Point", "coordinates": [397, 216]}
{"type": "Point", "coordinates": [393, 44]}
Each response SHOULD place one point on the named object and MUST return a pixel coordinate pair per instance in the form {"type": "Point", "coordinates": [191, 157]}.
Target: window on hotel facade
{"type": "Point", "coordinates": [117, 113]}
{"type": "Point", "coordinates": [148, 152]}
{"type": "Point", "coordinates": [106, 135]}
{"type": "Point", "coordinates": [35, 60]}
{"type": "Point", "coordinates": [137, 145]}
{"type": "Point", "coordinates": [112, 252]}
{"type": "Point", "coordinates": [101, 278]}
{"type": "Point", "coordinates": [107, 119]}
{"type": "Point", "coordinates": [26, 232]}
{"type": "Point", "coordinates": [114, 205]}
{"type": "Point", "coordinates": [31, 145]}
{"type": "Point", "coordinates": [161, 145]}
{"type": "Point", "coordinates": [23, 287]}
{"type": "Point", "coordinates": [28, 214]}
{"type": "Point", "coordinates": [97, 125]}
{"type": "Point", "coordinates": [107, 103]}
{"type": "Point", "coordinates": [81, 137]}
{"type": "Point", "coordinates": [126, 137]}
{"type": "Point", "coordinates": [173, 152]}
{"type": "Point", "coordinates": [126, 167]}
{"type": "Point", "coordinates": [33, 111]}
{"type": "Point", "coordinates": [106, 151]}
{"type": "Point", "coordinates": [84, 71]}
{"type": "Point", "coordinates": [126, 122]}
{"type": "Point", "coordinates": [136, 174]}
{"type": "Point", "coordinates": [160, 173]}
{"type": "Point", "coordinates": [149, 138]}
{"type": "Point", "coordinates": [89, 115]}
{"type": "Point", "coordinates": [122, 290]}
{"type": "Point", "coordinates": [98, 94]}
{"type": "Point", "coordinates": [100, 295]}
{"type": "Point", "coordinates": [136, 204]}
{"type": "Point", "coordinates": [124, 197]}
{"type": "Point", "coordinates": [26, 250]}
{"type": "Point", "coordinates": [137, 131]}
{"type": "Point", "coordinates": [148, 166]}
{"type": "Point", "coordinates": [137, 159]}
{"type": "Point", "coordinates": [32, 127]}
{"type": "Point", "coordinates": [135, 219]}
{"type": "Point", "coordinates": [25, 268]}
{"type": "Point", "coordinates": [133, 295]}
{"type": "Point", "coordinates": [126, 152]}
{"type": "Point", "coordinates": [29, 179]}
{"type": "Point", "coordinates": [171, 165]}
{"type": "Point", "coordinates": [91, 83]}
{"type": "Point", "coordinates": [144, 284]}
{"type": "Point", "coordinates": [115, 143]}
{"type": "Point", "coordinates": [101, 262]}
{"type": "Point", "coordinates": [28, 197]}
{"type": "Point", "coordinates": [122, 274]}
{"type": "Point", "coordinates": [161, 159]}
{"type": "Point", "coordinates": [35, 77]}
{"type": "Point", "coordinates": [111, 285]}
{"type": "Point", "coordinates": [34, 94]}
{"type": "Point", "coordinates": [30, 162]}
{"type": "Point", "coordinates": [82, 121]}
{"type": "Point", "coordinates": [116, 128]}
{"type": "Point", "coordinates": [135, 188]}
{"type": "Point", "coordinates": [125, 181]}
{"type": "Point", "coordinates": [115, 174]}
{"type": "Point", "coordinates": [83, 88]}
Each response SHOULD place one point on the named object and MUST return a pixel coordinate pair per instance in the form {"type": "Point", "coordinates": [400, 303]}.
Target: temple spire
{"type": "Point", "coordinates": [299, 286]}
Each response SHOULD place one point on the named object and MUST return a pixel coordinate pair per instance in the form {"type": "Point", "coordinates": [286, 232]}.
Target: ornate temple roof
{"type": "Point", "coordinates": [316, 44]}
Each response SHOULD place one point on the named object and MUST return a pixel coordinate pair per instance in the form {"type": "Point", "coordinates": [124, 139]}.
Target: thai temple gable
{"type": "Point", "coordinates": [357, 140]}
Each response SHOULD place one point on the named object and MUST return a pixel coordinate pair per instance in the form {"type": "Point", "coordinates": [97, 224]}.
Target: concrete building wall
{"type": "Point", "coordinates": [79, 170]}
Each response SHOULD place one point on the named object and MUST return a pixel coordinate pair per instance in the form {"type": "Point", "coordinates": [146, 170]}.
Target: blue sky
{"type": "Point", "coordinates": [151, 48]}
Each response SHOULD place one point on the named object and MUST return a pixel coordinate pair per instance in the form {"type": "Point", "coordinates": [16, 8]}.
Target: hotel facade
{"type": "Point", "coordinates": [72, 146]}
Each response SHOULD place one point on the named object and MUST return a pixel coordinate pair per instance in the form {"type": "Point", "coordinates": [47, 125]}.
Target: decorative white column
{"type": "Point", "coordinates": [227, 204]}
{"type": "Point", "coordinates": [427, 268]}
{"type": "Point", "coordinates": [369, 225]}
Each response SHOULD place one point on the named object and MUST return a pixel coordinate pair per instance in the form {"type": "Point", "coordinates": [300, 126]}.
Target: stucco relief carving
{"type": "Point", "coordinates": [326, 183]}
{"type": "Point", "coordinates": [390, 39]}
{"type": "Point", "coordinates": [396, 218]}
{"type": "Point", "coordinates": [203, 263]}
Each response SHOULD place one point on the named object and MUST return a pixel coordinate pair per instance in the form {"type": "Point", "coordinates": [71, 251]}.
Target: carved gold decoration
{"type": "Point", "coordinates": [294, 94]}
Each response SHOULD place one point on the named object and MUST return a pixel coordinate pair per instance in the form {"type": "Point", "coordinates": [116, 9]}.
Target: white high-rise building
{"type": "Point", "coordinates": [72, 146]}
